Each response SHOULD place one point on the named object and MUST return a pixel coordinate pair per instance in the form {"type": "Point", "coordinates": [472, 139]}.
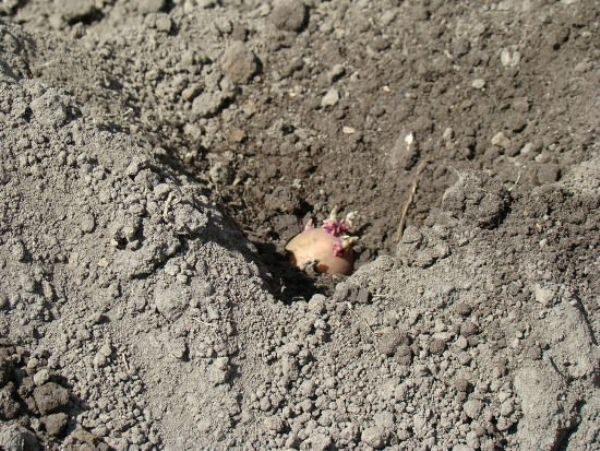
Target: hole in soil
{"type": "Point", "coordinates": [271, 196]}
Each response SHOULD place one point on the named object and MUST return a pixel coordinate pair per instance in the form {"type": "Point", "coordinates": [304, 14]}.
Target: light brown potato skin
{"type": "Point", "coordinates": [317, 245]}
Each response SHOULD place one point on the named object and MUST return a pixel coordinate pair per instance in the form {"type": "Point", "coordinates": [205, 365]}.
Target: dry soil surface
{"type": "Point", "coordinates": [157, 155]}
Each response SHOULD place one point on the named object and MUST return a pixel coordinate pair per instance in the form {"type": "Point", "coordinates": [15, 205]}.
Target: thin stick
{"type": "Point", "coordinates": [411, 195]}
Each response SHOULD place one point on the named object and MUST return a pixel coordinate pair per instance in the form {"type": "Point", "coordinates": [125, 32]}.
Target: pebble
{"type": "Point", "coordinates": [87, 223]}
{"type": "Point", "coordinates": [163, 23]}
{"type": "Point", "coordinates": [41, 377]}
{"type": "Point", "coordinates": [478, 83]}
{"type": "Point", "coordinates": [472, 408]}
{"type": "Point", "coordinates": [50, 397]}
{"type": "Point", "coordinates": [151, 6]}
{"type": "Point", "coordinates": [239, 63]}
{"type": "Point", "coordinates": [374, 436]}
{"type": "Point", "coordinates": [289, 15]}
{"type": "Point", "coordinates": [468, 328]}
{"type": "Point", "coordinates": [507, 408]}
{"type": "Point", "coordinates": [331, 98]}
{"type": "Point", "coordinates": [510, 58]}
{"type": "Point", "coordinates": [320, 442]}
{"type": "Point", "coordinates": [543, 295]}
{"type": "Point", "coordinates": [500, 140]}
{"type": "Point", "coordinates": [56, 423]}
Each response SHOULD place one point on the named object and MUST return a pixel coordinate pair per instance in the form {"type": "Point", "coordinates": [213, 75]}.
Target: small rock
{"type": "Point", "coordinates": [17, 250]}
{"type": "Point", "coordinates": [275, 424]}
{"type": "Point", "coordinates": [463, 309]}
{"type": "Point", "coordinates": [317, 303]}
{"type": "Point", "coordinates": [510, 58]}
{"type": "Point", "coordinates": [478, 83]}
{"type": "Point", "coordinates": [462, 385]}
{"type": "Point", "coordinates": [320, 442]}
{"type": "Point", "coordinates": [389, 341]}
{"type": "Point", "coordinates": [56, 423]}
{"type": "Point", "coordinates": [41, 377]}
{"type": "Point", "coordinates": [374, 436]}
{"type": "Point", "coordinates": [50, 397]}
{"type": "Point", "coordinates": [543, 295]}
{"type": "Point", "coordinates": [87, 223]}
{"type": "Point", "coordinates": [384, 420]}
{"type": "Point", "coordinates": [437, 347]}
{"type": "Point", "coordinates": [404, 354]}
{"type": "Point", "coordinates": [106, 350]}
{"type": "Point", "coordinates": [405, 152]}
{"type": "Point", "coordinates": [500, 140]}
{"type": "Point", "coordinates": [163, 23]}
{"type": "Point", "coordinates": [151, 6]}
{"type": "Point", "coordinates": [18, 438]}
{"type": "Point", "coordinates": [239, 63]}
{"type": "Point", "coordinates": [289, 15]}
{"type": "Point", "coordinates": [331, 98]}
{"type": "Point", "coordinates": [507, 408]}
{"type": "Point", "coordinates": [472, 408]}
{"type": "Point", "coordinates": [548, 173]}
{"type": "Point", "coordinates": [74, 11]}
{"type": "Point", "coordinates": [468, 328]}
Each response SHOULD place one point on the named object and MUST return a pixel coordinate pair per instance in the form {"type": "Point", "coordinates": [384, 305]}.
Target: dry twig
{"type": "Point", "coordinates": [411, 195]}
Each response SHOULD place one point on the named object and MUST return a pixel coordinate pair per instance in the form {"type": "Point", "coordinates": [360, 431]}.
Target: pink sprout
{"type": "Point", "coordinates": [336, 227]}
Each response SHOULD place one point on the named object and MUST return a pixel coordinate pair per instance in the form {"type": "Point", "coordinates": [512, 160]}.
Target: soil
{"type": "Point", "coordinates": [156, 156]}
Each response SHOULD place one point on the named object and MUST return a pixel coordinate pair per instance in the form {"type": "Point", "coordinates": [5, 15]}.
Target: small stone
{"type": "Point", "coordinates": [50, 397]}
{"type": "Point", "coordinates": [448, 134]}
{"type": "Point", "coordinates": [317, 303]}
{"type": "Point", "coordinates": [510, 58]}
{"type": "Point", "coordinates": [404, 354]}
{"type": "Point", "coordinates": [41, 377]}
{"type": "Point", "coordinates": [405, 152]}
{"type": "Point", "coordinates": [384, 420]}
{"type": "Point", "coordinates": [320, 442]}
{"type": "Point", "coordinates": [462, 385]}
{"type": "Point", "coordinates": [463, 309]}
{"type": "Point", "coordinates": [74, 11]}
{"type": "Point", "coordinates": [472, 408]}
{"type": "Point", "coordinates": [548, 173]}
{"type": "Point", "coordinates": [289, 15]}
{"type": "Point", "coordinates": [500, 140]}
{"type": "Point", "coordinates": [389, 342]}
{"type": "Point", "coordinates": [462, 343]}
{"type": "Point", "coordinates": [163, 23]}
{"type": "Point", "coordinates": [239, 63]}
{"type": "Point", "coordinates": [16, 437]}
{"type": "Point", "coordinates": [507, 408]}
{"type": "Point", "coordinates": [468, 328]}
{"type": "Point", "coordinates": [437, 347]}
{"type": "Point", "coordinates": [478, 83]}
{"type": "Point", "coordinates": [543, 295]}
{"type": "Point", "coordinates": [275, 424]}
{"type": "Point", "coordinates": [87, 223]}
{"type": "Point", "coordinates": [56, 423]}
{"type": "Point", "coordinates": [151, 6]}
{"type": "Point", "coordinates": [17, 250]}
{"type": "Point", "coordinates": [106, 350]}
{"type": "Point", "coordinates": [307, 388]}
{"type": "Point", "coordinates": [331, 98]}
{"type": "Point", "coordinates": [222, 363]}
{"type": "Point", "coordinates": [374, 436]}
